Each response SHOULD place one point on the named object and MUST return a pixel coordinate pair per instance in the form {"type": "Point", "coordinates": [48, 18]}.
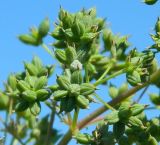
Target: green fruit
{"type": "Point", "coordinates": [137, 109]}
{"type": "Point", "coordinates": [4, 100]}
{"type": "Point", "coordinates": [40, 83]}
{"type": "Point", "coordinates": [155, 98]}
{"type": "Point", "coordinates": [150, 2]}
{"type": "Point", "coordinates": [157, 26]}
{"type": "Point", "coordinates": [87, 89]}
{"type": "Point", "coordinates": [29, 95]}
{"type": "Point", "coordinates": [32, 70]}
{"type": "Point", "coordinates": [12, 81]}
{"type": "Point", "coordinates": [133, 78]}
{"type": "Point", "coordinates": [63, 82]}
{"type": "Point", "coordinates": [60, 55]}
{"type": "Point", "coordinates": [35, 108]}
{"type": "Point", "coordinates": [87, 37]}
{"type": "Point", "coordinates": [76, 77]}
{"type": "Point", "coordinates": [23, 86]}
{"type": "Point", "coordinates": [43, 28]}
{"type": "Point", "coordinates": [113, 92]}
{"type": "Point", "coordinates": [28, 39]}
{"type": "Point", "coordinates": [112, 118]}
{"type": "Point", "coordinates": [42, 94]}
{"type": "Point", "coordinates": [82, 102]}
{"type": "Point", "coordinates": [71, 54]}
{"type": "Point", "coordinates": [60, 94]}
{"type": "Point", "coordinates": [135, 122]}
{"type": "Point", "coordinates": [74, 90]}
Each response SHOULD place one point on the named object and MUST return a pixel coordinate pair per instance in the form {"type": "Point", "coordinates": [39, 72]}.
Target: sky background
{"type": "Point", "coordinates": [125, 17]}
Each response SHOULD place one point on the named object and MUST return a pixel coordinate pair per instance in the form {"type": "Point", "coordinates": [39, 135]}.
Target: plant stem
{"type": "Point", "coordinates": [110, 77]}
{"type": "Point", "coordinates": [74, 122]}
{"type": "Point", "coordinates": [86, 74]}
{"type": "Point", "coordinates": [103, 102]}
{"type": "Point", "coordinates": [67, 137]}
{"type": "Point", "coordinates": [105, 73]}
{"type": "Point", "coordinates": [50, 126]}
{"type": "Point", "coordinates": [44, 46]}
{"type": "Point", "coordinates": [69, 118]}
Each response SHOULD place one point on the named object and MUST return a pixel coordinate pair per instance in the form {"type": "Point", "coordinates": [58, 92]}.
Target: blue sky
{"type": "Point", "coordinates": [124, 17]}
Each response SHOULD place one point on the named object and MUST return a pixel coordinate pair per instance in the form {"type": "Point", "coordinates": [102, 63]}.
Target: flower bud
{"type": "Point", "coordinates": [60, 94]}
{"type": "Point", "coordinates": [42, 94]}
{"type": "Point", "coordinates": [23, 86]}
{"type": "Point", "coordinates": [78, 28]}
{"type": "Point", "coordinates": [125, 110]}
{"type": "Point", "coordinates": [35, 108]}
{"type": "Point", "coordinates": [112, 117]}
{"type": "Point", "coordinates": [43, 28]}
{"type": "Point", "coordinates": [60, 55]}
{"type": "Point", "coordinates": [107, 39]}
{"type": "Point", "coordinates": [60, 44]}
{"type": "Point", "coordinates": [32, 70]}
{"type": "Point", "coordinates": [58, 33]}
{"type": "Point", "coordinates": [74, 90]}
{"type": "Point", "coordinates": [135, 122]}
{"type": "Point", "coordinates": [133, 78]}
{"type": "Point", "coordinates": [82, 102]}
{"type": "Point", "coordinates": [28, 39]}
{"type": "Point", "coordinates": [71, 54]}
{"type": "Point", "coordinates": [87, 89]}
{"type": "Point", "coordinates": [150, 2]}
{"type": "Point", "coordinates": [61, 14]}
{"type": "Point", "coordinates": [87, 37]}
{"type": "Point", "coordinates": [155, 98]}
{"type": "Point", "coordinates": [83, 138]}
{"type": "Point", "coordinates": [76, 77]}
{"type": "Point", "coordinates": [4, 101]}
{"type": "Point", "coordinates": [113, 91]}
{"type": "Point", "coordinates": [67, 20]}
{"type": "Point", "coordinates": [29, 95]}
{"type": "Point", "coordinates": [53, 88]}
{"type": "Point", "coordinates": [63, 82]}
{"type": "Point", "coordinates": [137, 109]}
{"type": "Point", "coordinates": [12, 81]}
{"type": "Point", "coordinates": [40, 83]}
{"type": "Point", "coordinates": [123, 88]}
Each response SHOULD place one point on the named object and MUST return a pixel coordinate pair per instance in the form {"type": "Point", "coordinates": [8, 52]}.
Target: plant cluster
{"type": "Point", "coordinates": [85, 66]}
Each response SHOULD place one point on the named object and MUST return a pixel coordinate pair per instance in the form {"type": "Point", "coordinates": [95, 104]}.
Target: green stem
{"type": "Point", "coordinates": [69, 118]}
{"type": "Point", "coordinates": [86, 74]}
{"type": "Point", "coordinates": [44, 46]}
{"type": "Point", "coordinates": [75, 118]}
{"type": "Point", "coordinates": [68, 136]}
{"type": "Point", "coordinates": [105, 73]}
{"type": "Point", "coordinates": [103, 102]}
{"type": "Point", "coordinates": [110, 77]}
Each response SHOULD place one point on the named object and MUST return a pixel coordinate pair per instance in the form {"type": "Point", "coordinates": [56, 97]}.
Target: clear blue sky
{"type": "Point", "coordinates": [16, 16]}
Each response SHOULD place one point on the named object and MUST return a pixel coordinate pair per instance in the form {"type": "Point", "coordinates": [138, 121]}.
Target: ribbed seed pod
{"type": "Point", "coordinates": [61, 56]}
{"type": "Point", "coordinates": [82, 102]}
{"type": "Point", "coordinates": [63, 82]}
{"type": "Point", "coordinates": [87, 89]}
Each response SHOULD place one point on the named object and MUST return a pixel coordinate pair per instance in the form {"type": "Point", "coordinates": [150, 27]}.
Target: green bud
{"type": "Point", "coordinates": [44, 28]}
{"type": "Point", "coordinates": [135, 122]}
{"type": "Point", "coordinates": [3, 101]}
{"type": "Point", "coordinates": [60, 55]}
{"type": "Point", "coordinates": [78, 28]}
{"type": "Point", "coordinates": [35, 108]}
{"type": "Point", "coordinates": [133, 78]}
{"type": "Point", "coordinates": [50, 69]}
{"type": "Point", "coordinates": [53, 88]}
{"type": "Point", "coordinates": [31, 80]}
{"type": "Point", "coordinates": [40, 83]}
{"type": "Point", "coordinates": [125, 110]}
{"type": "Point", "coordinates": [74, 90]}
{"type": "Point", "coordinates": [118, 129]}
{"type": "Point", "coordinates": [123, 88]}
{"type": "Point", "coordinates": [82, 102]}
{"type": "Point", "coordinates": [155, 99]}
{"type": "Point", "coordinates": [87, 89]}
{"type": "Point", "coordinates": [150, 2]}
{"type": "Point", "coordinates": [67, 20]}
{"type": "Point", "coordinates": [87, 37]}
{"type": "Point", "coordinates": [76, 77]}
{"type": "Point", "coordinates": [29, 95]}
{"type": "Point", "coordinates": [32, 70]}
{"type": "Point", "coordinates": [107, 39]}
{"type": "Point", "coordinates": [35, 133]}
{"type": "Point", "coordinates": [58, 33]}
{"type": "Point", "coordinates": [12, 81]}
{"type": "Point", "coordinates": [60, 94]}
{"type": "Point", "coordinates": [137, 109]}
{"type": "Point", "coordinates": [91, 68]}
{"type": "Point", "coordinates": [157, 26]}
{"type": "Point", "coordinates": [63, 82]}
{"type": "Point", "coordinates": [152, 141]}
{"type": "Point", "coordinates": [23, 86]}
{"type": "Point", "coordinates": [60, 44]}
{"type": "Point", "coordinates": [21, 106]}
{"type": "Point", "coordinates": [37, 62]}
{"type": "Point", "coordinates": [113, 91]}
{"type": "Point", "coordinates": [71, 54]}
{"type": "Point", "coordinates": [83, 138]}
{"type": "Point", "coordinates": [42, 94]}
{"type": "Point", "coordinates": [112, 118]}
{"type": "Point", "coordinates": [61, 14]}
{"type": "Point", "coordinates": [28, 39]}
